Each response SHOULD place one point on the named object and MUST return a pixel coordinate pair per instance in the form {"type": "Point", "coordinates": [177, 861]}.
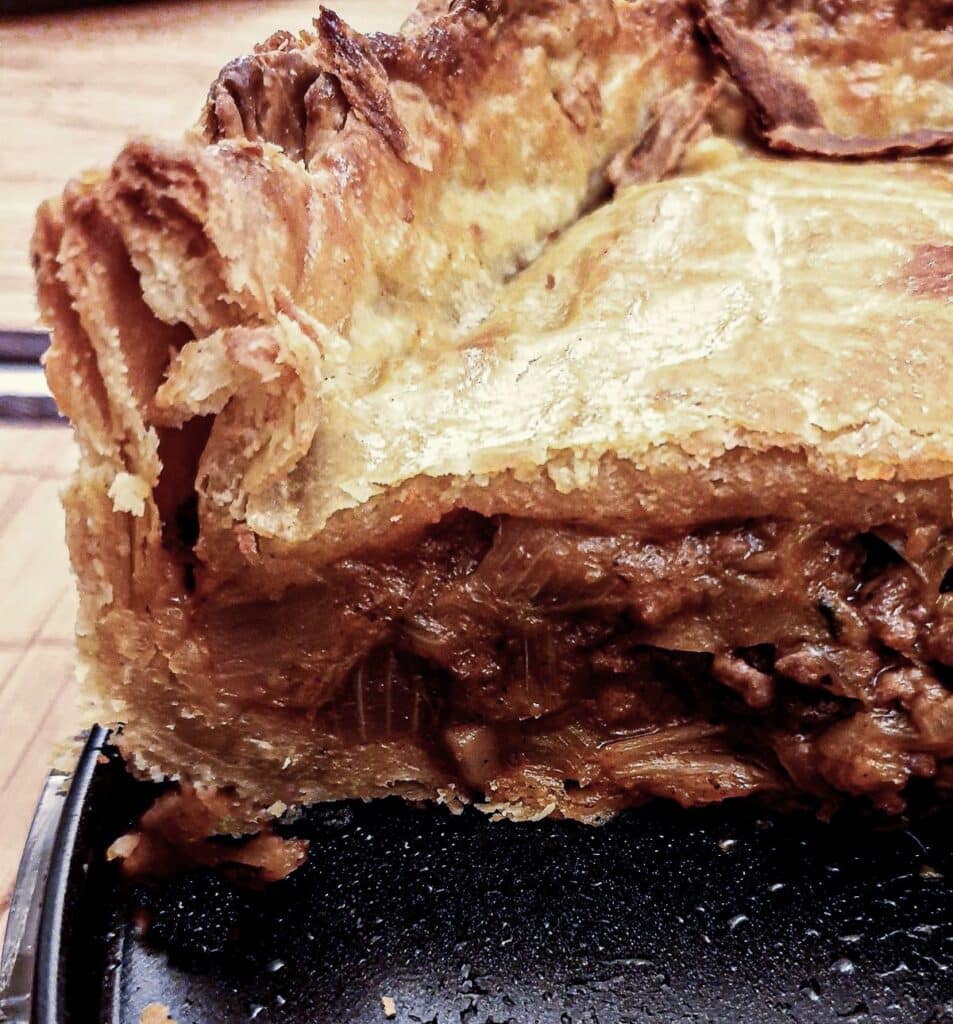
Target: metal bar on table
{"type": "Point", "coordinates": [22, 346]}
{"type": "Point", "coordinates": [24, 394]}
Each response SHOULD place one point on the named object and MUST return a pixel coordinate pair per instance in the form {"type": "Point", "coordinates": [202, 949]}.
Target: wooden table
{"type": "Point", "coordinates": [37, 608]}
{"type": "Point", "coordinates": [74, 86]}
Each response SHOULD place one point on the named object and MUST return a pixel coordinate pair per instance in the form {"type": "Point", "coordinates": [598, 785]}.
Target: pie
{"type": "Point", "coordinates": [547, 407]}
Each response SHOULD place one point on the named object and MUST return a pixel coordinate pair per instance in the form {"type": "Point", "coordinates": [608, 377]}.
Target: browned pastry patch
{"type": "Point", "coordinates": [297, 91]}
{"type": "Point", "coordinates": [840, 79]}
{"type": "Point", "coordinates": [677, 121]}
{"type": "Point", "coordinates": [929, 271]}
{"type": "Point", "coordinates": [362, 78]}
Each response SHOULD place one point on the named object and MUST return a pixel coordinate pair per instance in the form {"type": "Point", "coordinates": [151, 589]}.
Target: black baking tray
{"type": "Point", "coordinates": [728, 915]}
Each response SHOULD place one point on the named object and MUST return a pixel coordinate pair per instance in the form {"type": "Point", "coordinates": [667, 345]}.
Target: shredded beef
{"type": "Point", "coordinates": [749, 657]}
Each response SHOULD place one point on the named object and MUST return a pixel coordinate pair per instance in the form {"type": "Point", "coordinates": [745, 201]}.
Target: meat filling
{"type": "Point", "coordinates": [584, 671]}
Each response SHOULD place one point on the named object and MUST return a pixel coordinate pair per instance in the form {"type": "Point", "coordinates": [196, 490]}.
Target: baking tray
{"type": "Point", "coordinates": [725, 915]}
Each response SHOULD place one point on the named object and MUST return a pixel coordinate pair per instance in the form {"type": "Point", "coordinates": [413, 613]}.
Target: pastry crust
{"type": "Point", "coordinates": [385, 247]}
{"type": "Point", "coordinates": [661, 332]}
{"type": "Point", "coordinates": [841, 79]}
{"type": "Point", "coordinates": [386, 283]}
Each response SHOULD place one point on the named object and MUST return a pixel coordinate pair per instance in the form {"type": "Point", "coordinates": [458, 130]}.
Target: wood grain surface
{"type": "Point", "coordinates": [37, 607]}
{"type": "Point", "coordinates": [74, 87]}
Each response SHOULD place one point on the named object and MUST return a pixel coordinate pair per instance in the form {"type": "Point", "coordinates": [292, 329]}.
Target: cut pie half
{"type": "Point", "coordinates": [419, 460]}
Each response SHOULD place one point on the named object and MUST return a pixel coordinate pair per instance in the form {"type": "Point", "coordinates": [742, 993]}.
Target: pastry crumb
{"type": "Point", "coordinates": [390, 1007]}
{"type": "Point", "coordinates": [129, 493]}
{"type": "Point", "coordinates": [178, 832]}
{"type": "Point", "coordinates": [123, 847]}
{"type": "Point", "coordinates": [156, 1013]}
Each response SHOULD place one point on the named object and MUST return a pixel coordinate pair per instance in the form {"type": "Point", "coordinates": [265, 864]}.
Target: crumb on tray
{"type": "Point", "coordinates": [156, 1013]}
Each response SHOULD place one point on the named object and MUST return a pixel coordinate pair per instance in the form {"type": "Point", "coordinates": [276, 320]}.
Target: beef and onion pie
{"type": "Point", "coordinates": [547, 407]}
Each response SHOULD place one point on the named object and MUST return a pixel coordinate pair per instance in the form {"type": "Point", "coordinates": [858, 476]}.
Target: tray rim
{"type": "Point", "coordinates": [48, 979]}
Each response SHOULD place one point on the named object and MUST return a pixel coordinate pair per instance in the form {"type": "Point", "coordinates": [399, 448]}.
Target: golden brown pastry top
{"type": "Point", "coordinates": [764, 305]}
{"type": "Point", "coordinates": [427, 169]}
{"type": "Point", "coordinates": [372, 273]}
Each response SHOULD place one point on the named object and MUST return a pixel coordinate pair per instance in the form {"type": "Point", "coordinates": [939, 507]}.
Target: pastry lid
{"type": "Point", "coordinates": [722, 915]}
